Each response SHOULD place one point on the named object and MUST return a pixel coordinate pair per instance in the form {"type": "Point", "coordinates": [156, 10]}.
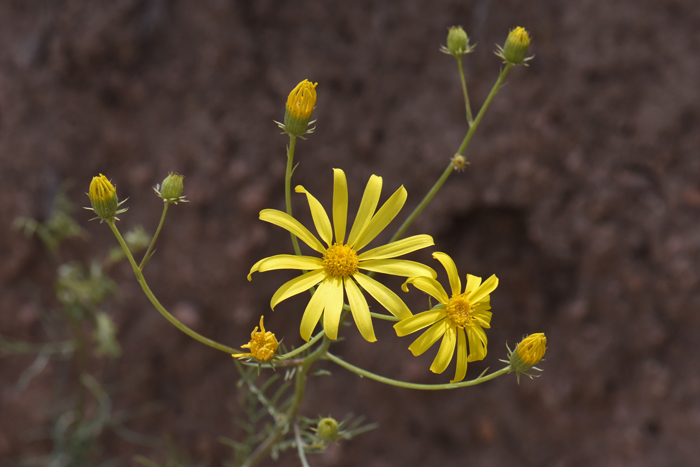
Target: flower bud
{"type": "Point", "coordinates": [327, 429]}
{"type": "Point", "coordinates": [103, 198]}
{"type": "Point", "coordinates": [300, 106]}
{"type": "Point", "coordinates": [263, 344]}
{"type": "Point", "coordinates": [171, 189]}
{"type": "Point", "coordinates": [457, 42]}
{"type": "Point", "coordinates": [515, 49]}
{"type": "Point", "coordinates": [528, 353]}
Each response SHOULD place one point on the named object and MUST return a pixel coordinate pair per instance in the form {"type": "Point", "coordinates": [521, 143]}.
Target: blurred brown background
{"type": "Point", "coordinates": [582, 197]}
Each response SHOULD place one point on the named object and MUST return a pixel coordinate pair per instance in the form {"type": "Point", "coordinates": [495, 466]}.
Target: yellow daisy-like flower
{"type": "Point", "coordinates": [338, 269]}
{"type": "Point", "coordinates": [263, 344]}
{"type": "Point", "coordinates": [464, 311]}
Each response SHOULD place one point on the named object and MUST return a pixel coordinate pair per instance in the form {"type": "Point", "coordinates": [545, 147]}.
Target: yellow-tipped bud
{"type": "Point", "coordinates": [528, 353]}
{"type": "Point", "coordinates": [327, 429]}
{"type": "Point", "coordinates": [300, 106]}
{"type": "Point", "coordinates": [103, 198]}
{"type": "Point", "coordinates": [263, 344]}
{"type": "Point", "coordinates": [514, 51]}
{"type": "Point", "coordinates": [457, 42]}
{"type": "Point", "coordinates": [171, 189]}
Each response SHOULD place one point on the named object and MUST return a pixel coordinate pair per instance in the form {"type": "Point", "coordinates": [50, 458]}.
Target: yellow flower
{"type": "Point", "coordinates": [464, 311]}
{"type": "Point", "coordinates": [338, 268]}
{"type": "Point", "coordinates": [263, 344]}
{"type": "Point", "coordinates": [531, 349]}
{"type": "Point", "coordinates": [300, 106]}
{"type": "Point", "coordinates": [103, 198]}
{"type": "Point", "coordinates": [516, 47]}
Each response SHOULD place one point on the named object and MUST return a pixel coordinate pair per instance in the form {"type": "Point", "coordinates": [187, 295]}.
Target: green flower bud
{"type": "Point", "coordinates": [457, 42]}
{"type": "Point", "coordinates": [327, 429]}
{"type": "Point", "coordinates": [103, 198]}
{"type": "Point", "coordinates": [515, 49]}
{"type": "Point", "coordinates": [300, 105]}
{"type": "Point", "coordinates": [172, 186]}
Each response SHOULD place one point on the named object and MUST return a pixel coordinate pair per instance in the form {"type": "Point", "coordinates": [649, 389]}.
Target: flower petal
{"type": "Point", "coordinates": [360, 310]}
{"type": "Point", "coordinates": [483, 318]}
{"type": "Point", "coordinates": [417, 322]}
{"type": "Point", "coordinates": [473, 283]}
{"type": "Point", "coordinates": [297, 285]}
{"type": "Point", "coordinates": [313, 310]}
{"type": "Point", "coordinates": [398, 248]}
{"type": "Point", "coordinates": [447, 350]}
{"type": "Point", "coordinates": [398, 267]}
{"type": "Point", "coordinates": [272, 263]}
{"type": "Point", "coordinates": [340, 205]}
{"type": "Point", "coordinates": [428, 338]}
{"type": "Point", "coordinates": [452, 274]}
{"type": "Point", "coordinates": [383, 295]}
{"type": "Point", "coordinates": [334, 305]}
{"type": "Point", "coordinates": [477, 343]}
{"type": "Point", "coordinates": [429, 286]}
{"type": "Point", "coordinates": [369, 202]}
{"type": "Point", "coordinates": [486, 288]}
{"type": "Point", "coordinates": [321, 221]}
{"type": "Point", "coordinates": [461, 371]}
{"type": "Point", "coordinates": [287, 222]}
{"type": "Point", "coordinates": [382, 218]}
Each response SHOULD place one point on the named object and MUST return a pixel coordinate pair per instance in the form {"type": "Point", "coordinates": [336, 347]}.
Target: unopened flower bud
{"type": "Point", "coordinates": [514, 51]}
{"type": "Point", "coordinates": [327, 429]}
{"type": "Point", "coordinates": [300, 106]}
{"type": "Point", "coordinates": [263, 344]}
{"type": "Point", "coordinates": [103, 198]}
{"type": "Point", "coordinates": [457, 42]}
{"type": "Point", "coordinates": [172, 187]}
{"type": "Point", "coordinates": [528, 353]}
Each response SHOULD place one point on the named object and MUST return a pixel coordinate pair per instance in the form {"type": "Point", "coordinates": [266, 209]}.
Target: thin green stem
{"type": "Point", "coordinates": [470, 118]}
{"type": "Point", "coordinates": [383, 316]}
{"type": "Point", "coordinates": [311, 342]}
{"type": "Point", "coordinates": [147, 255]}
{"type": "Point", "coordinates": [288, 186]}
{"type": "Point", "coordinates": [174, 321]}
{"type": "Point", "coordinates": [300, 446]}
{"type": "Point", "coordinates": [404, 384]}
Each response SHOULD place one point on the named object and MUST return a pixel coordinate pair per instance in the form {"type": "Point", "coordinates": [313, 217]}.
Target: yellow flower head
{"type": "Point", "coordinates": [263, 344]}
{"type": "Point", "coordinates": [300, 106]}
{"type": "Point", "coordinates": [531, 349]}
{"type": "Point", "coordinates": [457, 319]}
{"type": "Point", "coordinates": [515, 49]}
{"type": "Point", "coordinates": [103, 198]}
{"type": "Point", "coordinates": [337, 271]}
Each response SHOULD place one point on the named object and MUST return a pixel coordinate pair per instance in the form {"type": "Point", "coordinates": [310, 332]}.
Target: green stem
{"type": "Point", "coordinates": [470, 118]}
{"type": "Point", "coordinates": [174, 321]}
{"type": "Point", "coordinates": [383, 316]}
{"type": "Point", "coordinates": [311, 342]}
{"type": "Point", "coordinates": [300, 446]}
{"type": "Point", "coordinates": [147, 255]}
{"type": "Point", "coordinates": [288, 186]}
{"type": "Point", "coordinates": [404, 384]}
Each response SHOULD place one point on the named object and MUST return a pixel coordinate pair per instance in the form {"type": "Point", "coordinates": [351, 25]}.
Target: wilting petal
{"type": "Point", "coordinates": [429, 337]}
{"type": "Point", "coordinates": [287, 222]}
{"type": "Point", "coordinates": [447, 349]}
{"type": "Point", "coordinates": [340, 205]}
{"type": "Point", "coordinates": [477, 343]}
{"type": "Point", "coordinates": [382, 218]}
{"type": "Point", "coordinates": [321, 221]}
{"type": "Point", "coordinates": [452, 274]}
{"type": "Point", "coordinates": [486, 288]}
{"type": "Point", "coordinates": [306, 263]}
{"type": "Point", "coordinates": [313, 310]}
{"type": "Point", "coordinates": [398, 267]}
{"type": "Point", "coordinates": [297, 285]}
{"type": "Point", "coordinates": [417, 322]}
{"type": "Point", "coordinates": [398, 248]}
{"type": "Point", "coordinates": [429, 286]}
{"type": "Point", "coordinates": [473, 283]}
{"type": "Point", "coordinates": [360, 310]}
{"type": "Point", "coordinates": [461, 371]}
{"type": "Point", "coordinates": [383, 295]}
{"type": "Point", "coordinates": [369, 202]}
{"type": "Point", "coordinates": [334, 305]}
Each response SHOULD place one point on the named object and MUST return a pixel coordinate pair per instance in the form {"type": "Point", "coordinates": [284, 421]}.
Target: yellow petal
{"type": "Point", "coordinates": [321, 221]}
{"type": "Point", "coordinates": [255, 268]}
{"type": "Point", "coordinates": [473, 283]}
{"type": "Point", "coordinates": [381, 219]}
{"type": "Point", "coordinates": [334, 305]}
{"type": "Point", "coordinates": [340, 205]}
{"type": "Point", "coordinates": [486, 288]}
{"type": "Point", "coordinates": [447, 350]}
{"type": "Point", "coordinates": [383, 295]}
{"type": "Point", "coordinates": [398, 248]}
{"type": "Point", "coordinates": [398, 267]}
{"type": "Point", "coordinates": [369, 202]}
{"type": "Point", "coordinates": [417, 322]}
{"type": "Point", "coordinates": [452, 274]}
{"type": "Point", "coordinates": [287, 222]}
{"type": "Point", "coordinates": [483, 318]}
{"type": "Point", "coordinates": [297, 285]}
{"type": "Point", "coordinates": [461, 371]}
{"type": "Point", "coordinates": [360, 310]}
{"type": "Point", "coordinates": [307, 263]}
{"type": "Point", "coordinates": [428, 338]}
{"type": "Point", "coordinates": [313, 311]}
{"type": "Point", "coordinates": [477, 343]}
{"type": "Point", "coordinates": [429, 286]}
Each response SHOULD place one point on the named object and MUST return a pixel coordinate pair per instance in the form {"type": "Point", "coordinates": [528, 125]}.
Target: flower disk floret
{"type": "Point", "coordinates": [338, 271]}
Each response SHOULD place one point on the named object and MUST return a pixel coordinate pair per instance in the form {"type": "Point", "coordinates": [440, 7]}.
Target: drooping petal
{"type": "Point", "coordinates": [483, 318]}
{"type": "Point", "coordinates": [297, 285]}
{"type": "Point", "coordinates": [369, 202]}
{"type": "Point", "coordinates": [287, 222]}
{"type": "Point", "coordinates": [382, 218]}
{"type": "Point", "coordinates": [473, 283]}
{"type": "Point", "coordinates": [484, 289]}
{"type": "Point", "coordinates": [319, 215]}
{"type": "Point", "coordinates": [477, 343]}
{"type": "Point", "coordinates": [461, 371]}
{"type": "Point", "coordinates": [398, 267]}
{"type": "Point", "coordinates": [417, 322]}
{"type": "Point", "coordinates": [334, 305]}
{"type": "Point", "coordinates": [313, 310]}
{"type": "Point", "coordinates": [272, 263]}
{"type": "Point", "coordinates": [429, 286]}
{"type": "Point", "coordinates": [398, 248]}
{"type": "Point", "coordinates": [340, 205]}
{"type": "Point", "coordinates": [383, 295]}
{"type": "Point", "coordinates": [447, 350]}
{"type": "Point", "coordinates": [452, 274]}
{"type": "Point", "coordinates": [360, 310]}
{"type": "Point", "coordinates": [429, 337]}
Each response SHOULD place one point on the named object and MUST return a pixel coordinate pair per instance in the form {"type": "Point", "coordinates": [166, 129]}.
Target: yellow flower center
{"type": "Point", "coordinates": [459, 310]}
{"type": "Point", "coordinates": [340, 261]}
{"type": "Point", "coordinates": [263, 345]}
